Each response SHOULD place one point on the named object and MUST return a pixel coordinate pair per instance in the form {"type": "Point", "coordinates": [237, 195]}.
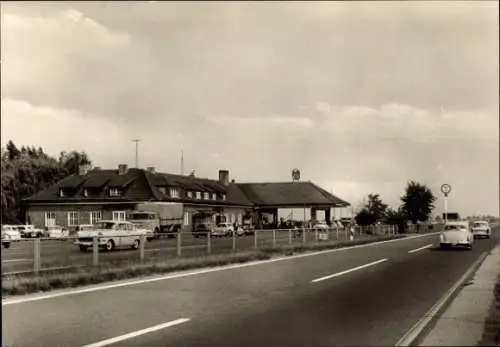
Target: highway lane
{"type": "Point", "coordinates": [274, 304]}
{"type": "Point", "coordinates": [60, 253]}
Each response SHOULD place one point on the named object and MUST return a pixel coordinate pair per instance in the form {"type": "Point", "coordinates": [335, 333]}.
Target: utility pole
{"type": "Point", "coordinates": [445, 189]}
{"type": "Point", "coordinates": [136, 152]}
{"type": "Point", "coordinates": [182, 162]}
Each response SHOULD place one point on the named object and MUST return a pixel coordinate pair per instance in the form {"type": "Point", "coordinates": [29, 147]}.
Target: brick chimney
{"type": "Point", "coordinates": [224, 177]}
{"type": "Point", "coordinates": [122, 169]}
{"type": "Point", "coordinates": [150, 169]}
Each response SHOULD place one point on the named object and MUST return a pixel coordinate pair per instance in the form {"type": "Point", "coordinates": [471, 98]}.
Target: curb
{"type": "Point", "coordinates": [422, 327]}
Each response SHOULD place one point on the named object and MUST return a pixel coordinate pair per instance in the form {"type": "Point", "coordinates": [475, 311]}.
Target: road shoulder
{"type": "Point", "coordinates": [463, 322]}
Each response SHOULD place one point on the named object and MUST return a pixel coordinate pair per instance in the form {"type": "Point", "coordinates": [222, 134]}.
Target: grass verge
{"type": "Point", "coordinates": [47, 281]}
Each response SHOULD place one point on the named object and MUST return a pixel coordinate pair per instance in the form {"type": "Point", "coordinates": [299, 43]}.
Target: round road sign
{"type": "Point", "coordinates": [446, 189]}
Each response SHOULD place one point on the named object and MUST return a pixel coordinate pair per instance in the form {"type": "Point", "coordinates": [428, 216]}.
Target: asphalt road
{"type": "Point", "coordinates": [58, 253]}
{"type": "Point", "coordinates": [278, 303]}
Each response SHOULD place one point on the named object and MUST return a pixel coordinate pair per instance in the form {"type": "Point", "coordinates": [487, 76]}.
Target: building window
{"type": "Point", "coordinates": [186, 218]}
{"type": "Point", "coordinates": [73, 218]}
{"type": "Point", "coordinates": [163, 190]}
{"type": "Point", "coordinates": [50, 218]}
{"type": "Point", "coordinates": [95, 216]}
{"type": "Point", "coordinates": [174, 193]}
{"type": "Point", "coordinates": [198, 195]}
{"type": "Point", "coordinates": [207, 196]}
{"type": "Point", "coordinates": [85, 193]}
{"type": "Point", "coordinates": [214, 196]}
{"type": "Point", "coordinates": [61, 193]}
{"type": "Point", "coordinates": [190, 195]}
{"type": "Point", "coordinates": [223, 196]}
{"type": "Point", "coordinates": [114, 192]}
{"type": "Point", "coordinates": [240, 219]}
{"type": "Point", "coordinates": [118, 215]}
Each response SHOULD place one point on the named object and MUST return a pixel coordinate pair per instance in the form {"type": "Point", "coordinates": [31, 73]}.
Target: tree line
{"type": "Point", "coordinates": [417, 204]}
{"type": "Point", "coordinates": [29, 170]}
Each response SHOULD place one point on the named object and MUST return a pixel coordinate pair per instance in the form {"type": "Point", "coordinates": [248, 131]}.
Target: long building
{"type": "Point", "coordinates": [95, 194]}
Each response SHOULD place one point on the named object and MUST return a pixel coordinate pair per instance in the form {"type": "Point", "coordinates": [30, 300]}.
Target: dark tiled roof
{"type": "Point", "coordinates": [72, 182]}
{"type": "Point", "coordinates": [289, 194]}
{"type": "Point", "coordinates": [98, 180]}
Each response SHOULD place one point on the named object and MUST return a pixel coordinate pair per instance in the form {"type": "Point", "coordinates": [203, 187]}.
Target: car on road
{"type": "Point", "coordinates": [110, 235]}
{"type": "Point", "coordinates": [481, 229]}
{"type": "Point", "coordinates": [56, 232]}
{"type": "Point", "coordinates": [201, 229]}
{"type": "Point", "coordinates": [456, 233]}
{"type": "Point", "coordinates": [319, 226]}
{"type": "Point", "coordinates": [29, 231]}
{"type": "Point", "coordinates": [9, 234]}
{"type": "Point", "coordinates": [223, 229]}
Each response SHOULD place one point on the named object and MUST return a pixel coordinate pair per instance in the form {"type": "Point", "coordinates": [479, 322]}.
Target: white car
{"type": "Point", "coordinates": [319, 226]}
{"type": "Point", "coordinates": [9, 234]}
{"type": "Point", "coordinates": [57, 232]}
{"type": "Point", "coordinates": [29, 231]}
{"type": "Point", "coordinates": [111, 234]}
{"type": "Point", "coordinates": [481, 229]}
{"type": "Point", "coordinates": [456, 234]}
{"type": "Point", "coordinates": [223, 229]}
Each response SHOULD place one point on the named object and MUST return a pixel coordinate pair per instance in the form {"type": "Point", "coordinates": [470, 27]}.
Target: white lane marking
{"type": "Point", "coordinates": [421, 248]}
{"type": "Point", "coordinates": [349, 270]}
{"type": "Point", "coordinates": [16, 260]}
{"type": "Point", "coordinates": [98, 287]}
{"type": "Point", "coordinates": [411, 335]}
{"type": "Point", "coordinates": [138, 333]}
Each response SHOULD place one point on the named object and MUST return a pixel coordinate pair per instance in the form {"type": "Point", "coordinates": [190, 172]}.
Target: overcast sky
{"type": "Point", "coordinates": [361, 97]}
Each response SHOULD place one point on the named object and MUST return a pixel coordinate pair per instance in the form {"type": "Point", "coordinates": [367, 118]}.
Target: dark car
{"type": "Point", "coordinates": [201, 230]}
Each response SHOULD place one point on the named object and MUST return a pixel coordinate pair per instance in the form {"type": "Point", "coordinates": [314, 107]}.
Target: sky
{"type": "Point", "coordinates": [360, 97]}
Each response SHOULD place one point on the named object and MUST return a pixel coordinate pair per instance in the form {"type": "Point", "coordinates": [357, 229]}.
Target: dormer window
{"type": "Point", "coordinates": [114, 192]}
{"type": "Point", "coordinates": [162, 190]}
{"type": "Point", "coordinates": [190, 195]}
{"type": "Point", "coordinates": [198, 195]}
{"type": "Point", "coordinates": [175, 193]}
{"type": "Point", "coordinates": [207, 196]}
{"type": "Point", "coordinates": [223, 196]}
{"type": "Point", "coordinates": [214, 196]}
{"type": "Point", "coordinates": [61, 193]}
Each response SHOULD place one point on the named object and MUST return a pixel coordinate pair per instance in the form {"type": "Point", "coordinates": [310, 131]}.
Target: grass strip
{"type": "Point", "coordinates": [76, 277]}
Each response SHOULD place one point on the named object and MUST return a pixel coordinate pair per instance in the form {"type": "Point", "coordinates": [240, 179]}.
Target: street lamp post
{"type": "Point", "coordinates": [445, 189]}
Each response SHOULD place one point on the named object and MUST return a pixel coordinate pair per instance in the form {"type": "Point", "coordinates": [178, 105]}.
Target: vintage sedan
{"type": "Point", "coordinates": [223, 229]}
{"type": "Point", "coordinates": [456, 234]}
{"type": "Point", "coordinates": [110, 235]}
{"type": "Point", "coordinates": [481, 229]}
{"type": "Point", "coordinates": [29, 231]}
{"type": "Point", "coordinates": [9, 234]}
{"type": "Point", "coordinates": [57, 232]}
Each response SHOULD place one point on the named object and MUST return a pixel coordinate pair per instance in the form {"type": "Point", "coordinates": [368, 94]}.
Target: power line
{"type": "Point", "coordinates": [136, 152]}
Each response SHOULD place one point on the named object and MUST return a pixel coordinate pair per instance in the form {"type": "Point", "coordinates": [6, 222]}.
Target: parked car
{"type": "Point", "coordinates": [456, 234]}
{"type": "Point", "coordinates": [9, 234]}
{"type": "Point", "coordinates": [223, 229]}
{"type": "Point", "coordinates": [202, 229]}
{"type": "Point", "coordinates": [111, 234]}
{"type": "Point", "coordinates": [56, 232]}
{"type": "Point", "coordinates": [319, 226]}
{"type": "Point", "coordinates": [29, 231]}
{"type": "Point", "coordinates": [481, 229]}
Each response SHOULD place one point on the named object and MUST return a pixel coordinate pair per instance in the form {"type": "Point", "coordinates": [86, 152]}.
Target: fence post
{"type": "Point", "coordinates": [315, 235]}
{"type": "Point", "coordinates": [255, 240]}
{"type": "Point", "coordinates": [36, 255]}
{"type": "Point", "coordinates": [289, 236]}
{"type": "Point", "coordinates": [234, 240]}
{"type": "Point", "coordinates": [179, 243]}
{"type": "Point", "coordinates": [95, 251]}
{"type": "Point", "coordinates": [304, 236]}
{"type": "Point", "coordinates": [274, 238]}
{"type": "Point", "coordinates": [209, 243]}
{"type": "Point", "coordinates": [141, 247]}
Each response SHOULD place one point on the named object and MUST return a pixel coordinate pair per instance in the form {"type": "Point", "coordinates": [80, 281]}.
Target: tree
{"type": "Point", "coordinates": [27, 172]}
{"type": "Point", "coordinates": [396, 217]}
{"type": "Point", "coordinates": [418, 202]}
{"type": "Point", "coordinates": [372, 212]}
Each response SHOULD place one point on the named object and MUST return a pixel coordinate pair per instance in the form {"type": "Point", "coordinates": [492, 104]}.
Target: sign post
{"type": "Point", "coordinates": [445, 189]}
